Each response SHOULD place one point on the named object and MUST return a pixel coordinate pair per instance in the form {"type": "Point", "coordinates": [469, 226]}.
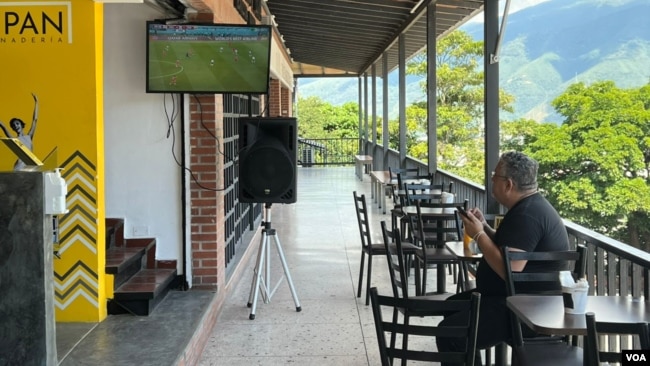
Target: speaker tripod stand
{"type": "Point", "coordinates": [262, 274]}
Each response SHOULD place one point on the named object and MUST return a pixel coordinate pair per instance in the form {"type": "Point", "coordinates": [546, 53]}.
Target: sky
{"type": "Point", "coordinates": [515, 6]}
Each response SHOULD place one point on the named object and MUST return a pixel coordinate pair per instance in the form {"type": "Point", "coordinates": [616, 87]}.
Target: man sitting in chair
{"type": "Point", "coordinates": [531, 224]}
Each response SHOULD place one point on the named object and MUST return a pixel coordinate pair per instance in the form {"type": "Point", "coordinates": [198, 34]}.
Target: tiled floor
{"type": "Point", "coordinates": [320, 238]}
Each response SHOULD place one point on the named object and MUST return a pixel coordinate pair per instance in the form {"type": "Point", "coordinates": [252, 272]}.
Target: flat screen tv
{"type": "Point", "coordinates": [208, 58]}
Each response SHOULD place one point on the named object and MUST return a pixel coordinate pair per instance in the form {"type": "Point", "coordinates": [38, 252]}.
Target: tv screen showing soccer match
{"type": "Point", "coordinates": [208, 58]}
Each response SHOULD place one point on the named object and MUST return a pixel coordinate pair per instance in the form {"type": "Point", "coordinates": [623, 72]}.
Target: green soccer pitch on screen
{"type": "Point", "coordinates": [208, 58]}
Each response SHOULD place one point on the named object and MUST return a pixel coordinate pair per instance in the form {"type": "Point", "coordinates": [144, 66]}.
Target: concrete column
{"type": "Point", "coordinates": [27, 328]}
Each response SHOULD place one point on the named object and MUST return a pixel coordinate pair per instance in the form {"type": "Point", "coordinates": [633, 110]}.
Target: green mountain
{"type": "Point", "coordinates": [546, 48]}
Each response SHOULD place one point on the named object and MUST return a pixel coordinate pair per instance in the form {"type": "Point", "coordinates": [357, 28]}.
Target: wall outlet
{"type": "Point", "coordinates": [140, 231]}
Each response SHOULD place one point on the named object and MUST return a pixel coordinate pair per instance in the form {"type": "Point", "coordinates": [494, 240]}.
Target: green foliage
{"type": "Point", "coordinates": [595, 167]}
{"type": "Point", "coordinates": [319, 119]}
{"type": "Point", "coordinates": [412, 134]}
{"type": "Point", "coordinates": [459, 114]}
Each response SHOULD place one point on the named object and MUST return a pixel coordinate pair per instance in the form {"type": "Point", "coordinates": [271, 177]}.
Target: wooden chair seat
{"type": "Point", "coordinates": [542, 354]}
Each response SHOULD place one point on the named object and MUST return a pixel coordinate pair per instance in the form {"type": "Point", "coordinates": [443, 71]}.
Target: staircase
{"type": "Point", "coordinates": [140, 282]}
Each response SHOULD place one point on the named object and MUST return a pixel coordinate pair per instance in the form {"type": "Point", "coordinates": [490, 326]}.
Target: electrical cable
{"type": "Point", "coordinates": [170, 131]}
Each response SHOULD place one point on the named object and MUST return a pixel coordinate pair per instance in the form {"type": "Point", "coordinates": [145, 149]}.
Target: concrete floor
{"type": "Point", "coordinates": [320, 239]}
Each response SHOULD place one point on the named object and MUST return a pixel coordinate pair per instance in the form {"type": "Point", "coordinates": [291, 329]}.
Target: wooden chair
{"type": "Point", "coordinates": [396, 175]}
{"type": "Point", "coordinates": [424, 192]}
{"type": "Point", "coordinates": [620, 336]}
{"type": "Point", "coordinates": [430, 238]}
{"type": "Point", "coordinates": [534, 350]}
{"type": "Point", "coordinates": [408, 195]}
{"type": "Point", "coordinates": [394, 172]}
{"type": "Point", "coordinates": [396, 261]}
{"type": "Point", "coordinates": [400, 176]}
{"type": "Point", "coordinates": [367, 246]}
{"type": "Point", "coordinates": [398, 271]}
{"type": "Point", "coordinates": [427, 328]}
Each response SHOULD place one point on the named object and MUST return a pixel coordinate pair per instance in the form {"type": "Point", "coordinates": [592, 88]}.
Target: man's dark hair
{"type": "Point", "coordinates": [521, 168]}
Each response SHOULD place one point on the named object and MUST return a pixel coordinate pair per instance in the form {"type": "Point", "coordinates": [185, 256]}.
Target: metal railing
{"type": "Point", "coordinates": [613, 267]}
{"type": "Point", "coordinates": [338, 151]}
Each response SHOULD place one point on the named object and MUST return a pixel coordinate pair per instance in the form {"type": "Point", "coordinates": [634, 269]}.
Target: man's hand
{"type": "Point", "coordinates": [472, 223]}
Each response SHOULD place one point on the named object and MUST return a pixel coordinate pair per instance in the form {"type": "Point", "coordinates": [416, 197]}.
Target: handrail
{"type": "Point", "coordinates": [637, 256]}
{"type": "Point", "coordinates": [327, 151]}
{"type": "Point", "coordinates": [613, 267]}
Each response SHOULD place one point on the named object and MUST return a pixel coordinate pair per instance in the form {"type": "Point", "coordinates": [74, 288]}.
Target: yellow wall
{"type": "Point", "coordinates": [54, 50]}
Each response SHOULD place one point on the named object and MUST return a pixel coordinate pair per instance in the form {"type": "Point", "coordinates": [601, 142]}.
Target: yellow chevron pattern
{"type": "Point", "coordinates": [80, 271]}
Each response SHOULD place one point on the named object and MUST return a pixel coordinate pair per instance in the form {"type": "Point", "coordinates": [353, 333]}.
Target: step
{"type": "Point", "coordinates": [114, 232]}
{"type": "Point", "coordinates": [123, 263]}
{"type": "Point", "coordinates": [142, 292]}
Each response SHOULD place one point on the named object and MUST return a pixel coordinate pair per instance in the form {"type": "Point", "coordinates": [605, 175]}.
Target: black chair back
{"type": "Point", "coordinates": [427, 328]}
{"type": "Point", "coordinates": [361, 210]}
{"type": "Point", "coordinates": [422, 192]}
{"type": "Point", "coordinates": [620, 336]}
{"type": "Point", "coordinates": [396, 175]}
{"type": "Point", "coordinates": [395, 259]}
{"type": "Point", "coordinates": [435, 232]}
{"type": "Point", "coordinates": [544, 281]}
{"type": "Point", "coordinates": [431, 234]}
{"type": "Point", "coordinates": [404, 176]}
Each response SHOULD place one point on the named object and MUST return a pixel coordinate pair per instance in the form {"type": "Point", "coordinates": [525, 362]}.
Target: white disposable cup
{"type": "Point", "coordinates": [575, 299]}
{"type": "Point", "coordinates": [473, 246]}
{"type": "Point", "coordinates": [447, 197]}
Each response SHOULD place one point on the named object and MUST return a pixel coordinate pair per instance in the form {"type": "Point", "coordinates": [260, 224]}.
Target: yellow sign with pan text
{"type": "Point", "coordinates": [52, 101]}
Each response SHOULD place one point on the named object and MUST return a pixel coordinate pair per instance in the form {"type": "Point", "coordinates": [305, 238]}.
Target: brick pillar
{"type": "Point", "coordinates": [287, 107]}
{"type": "Point", "coordinates": [275, 98]}
{"type": "Point", "coordinates": [207, 216]}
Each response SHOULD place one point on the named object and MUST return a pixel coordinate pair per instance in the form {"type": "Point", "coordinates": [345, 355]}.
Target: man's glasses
{"type": "Point", "coordinates": [494, 174]}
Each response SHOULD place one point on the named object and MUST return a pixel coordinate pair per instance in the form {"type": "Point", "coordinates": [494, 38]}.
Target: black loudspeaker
{"type": "Point", "coordinates": [267, 159]}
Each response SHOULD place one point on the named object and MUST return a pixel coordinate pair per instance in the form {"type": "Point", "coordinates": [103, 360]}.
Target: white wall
{"type": "Point", "coordinates": [143, 182]}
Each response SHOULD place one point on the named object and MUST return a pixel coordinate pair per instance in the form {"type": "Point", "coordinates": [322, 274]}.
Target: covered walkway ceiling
{"type": "Point", "coordinates": [345, 37]}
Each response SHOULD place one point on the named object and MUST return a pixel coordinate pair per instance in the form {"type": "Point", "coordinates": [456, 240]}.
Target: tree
{"type": "Point", "coordinates": [319, 119]}
{"type": "Point", "coordinates": [595, 167]}
{"type": "Point", "coordinates": [313, 114]}
{"type": "Point", "coordinates": [344, 121]}
{"type": "Point", "coordinates": [459, 95]}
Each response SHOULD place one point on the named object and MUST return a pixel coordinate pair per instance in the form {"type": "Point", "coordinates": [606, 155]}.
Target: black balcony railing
{"type": "Point", "coordinates": [339, 151]}
{"type": "Point", "coordinates": [613, 267]}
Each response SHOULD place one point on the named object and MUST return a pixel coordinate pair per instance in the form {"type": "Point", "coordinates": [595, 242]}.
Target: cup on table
{"type": "Point", "coordinates": [473, 246]}
{"type": "Point", "coordinates": [446, 197]}
{"type": "Point", "coordinates": [575, 299]}
{"type": "Point", "coordinates": [466, 240]}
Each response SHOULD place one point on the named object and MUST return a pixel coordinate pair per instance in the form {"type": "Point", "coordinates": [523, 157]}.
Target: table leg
{"type": "Point", "coordinates": [460, 284]}
{"type": "Point", "coordinates": [500, 351]}
{"type": "Point", "coordinates": [442, 278]}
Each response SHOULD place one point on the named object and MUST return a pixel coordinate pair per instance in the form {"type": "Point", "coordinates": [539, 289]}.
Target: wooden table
{"type": "Point", "coordinates": [545, 314]}
{"type": "Point", "coordinates": [430, 212]}
{"type": "Point", "coordinates": [466, 257]}
{"type": "Point", "coordinates": [435, 214]}
{"type": "Point", "coordinates": [379, 181]}
{"type": "Point", "coordinates": [362, 161]}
